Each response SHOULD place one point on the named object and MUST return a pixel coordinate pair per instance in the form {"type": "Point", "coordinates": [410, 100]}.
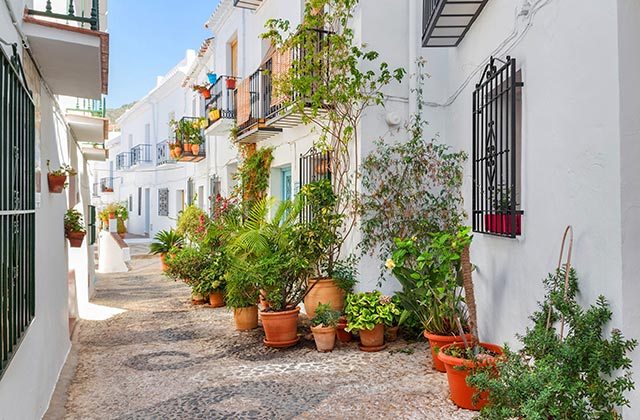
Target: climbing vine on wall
{"type": "Point", "coordinates": [253, 175]}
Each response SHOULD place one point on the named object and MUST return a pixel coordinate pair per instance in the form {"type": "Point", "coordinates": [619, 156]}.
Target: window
{"type": "Point", "coordinates": [139, 201]}
{"type": "Point", "coordinates": [233, 57]}
{"type": "Point", "coordinates": [17, 209]}
{"type": "Point", "coordinates": [163, 202]}
{"type": "Point", "coordinates": [285, 187]}
{"type": "Point", "coordinates": [201, 196]}
{"type": "Point", "coordinates": [130, 203]}
{"type": "Point", "coordinates": [179, 201]}
{"type": "Point", "coordinates": [496, 151]}
{"type": "Point", "coordinates": [189, 191]}
{"type": "Point", "coordinates": [130, 142]}
{"type": "Point", "coordinates": [314, 166]}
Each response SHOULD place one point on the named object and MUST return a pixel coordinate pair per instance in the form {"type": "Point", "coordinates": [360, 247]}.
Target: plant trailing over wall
{"type": "Point", "coordinates": [366, 310]}
{"type": "Point", "coordinates": [253, 175]}
{"type": "Point", "coordinates": [334, 80]}
{"type": "Point", "coordinates": [582, 375]}
{"type": "Point", "coordinates": [410, 188]}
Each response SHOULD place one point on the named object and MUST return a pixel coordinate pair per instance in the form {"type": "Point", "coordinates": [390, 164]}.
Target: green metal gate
{"type": "Point", "coordinates": [17, 207]}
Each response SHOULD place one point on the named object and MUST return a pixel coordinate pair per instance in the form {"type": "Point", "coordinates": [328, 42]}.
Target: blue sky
{"type": "Point", "coordinates": [147, 39]}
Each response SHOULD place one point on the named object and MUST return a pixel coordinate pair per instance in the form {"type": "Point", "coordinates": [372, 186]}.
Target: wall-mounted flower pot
{"type": "Point", "coordinates": [75, 239]}
{"type": "Point", "coordinates": [246, 318]}
{"type": "Point", "coordinates": [212, 78]}
{"type": "Point", "coordinates": [214, 115]}
{"type": "Point", "coordinates": [343, 336]}
{"type": "Point", "coordinates": [325, 338]}
{"type": "Point", "coordinates": [216, 299]}
{"type": "Point", "coordinates": [323, 291]}
{"type": "Point", "coordinates": [231, 83]}
{"type": "Point", "coordinates": [205, 93]}
{"type": "Point", "coordinates": [438, 341]}
{"type": "Point", "coordinates": [372, 340]}
{"type": "Point", "coordinates": [280, 328]}
{"type": "Point", "coordinates": [195, 149]}
{"type": "Point", "coordinates": [56, 183]}
{"type": "Point", "coordinates": [500, 223]}
{"type": "Point", "coordinates": [457, 372]}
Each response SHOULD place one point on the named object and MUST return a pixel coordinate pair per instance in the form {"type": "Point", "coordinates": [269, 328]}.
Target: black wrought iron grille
{"type": "Point", "coordinates": [163, 202]}
{"type": "Point", "coordinates": [494, 155]}
{"type": "Point", "coordinates": [92, 225]}
{"type": "Point", "coordinates": [141, 154]}
{"type": "Point", "coordinates": [315, 165]}
{"type": "Point", "coordinates": [17, 208]}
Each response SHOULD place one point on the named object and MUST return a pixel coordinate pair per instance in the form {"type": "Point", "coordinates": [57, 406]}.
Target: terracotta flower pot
{"type": "Point", "coordinates": [195, 149]}
{"type": "Point", "coordinates": [112, 216]}
{"type": "Point", "coordinates": [280, 328]}
{"type": "Point", "coordinates": [216, 299]}
{"type": "Point", "coordinates": [391, 333]}
{"type": "Point", "coordinates": [56, 183]}
{"type": "Point", "coordinates": [372, 338]}
{"type": "Point", "coordinates": [246, 318]}
{"type": "Point", "coordinates": [205, 93]}
{"type": "Point", "coordinates": [343, 336]}
{"type": "Point", "coordinates": [325, 338]}
{"type": "Point", "coordinates": [461, 393]}
{"type": "Point", "coordinates": [187, 147]}
{"type": "Point", "coordinates": [197, 299]}
{"type": "Point", "coordinates": [231, 83]}
{"type": "Point", "coordinates": [177, 151]}
{"type": "Point", "coordinates": [323, 291]}
{"type": "Point", "coordinates": [163, 262]}
{"type": "Point", "coordinates": [438, 341]}
{"type": "Point", "coordinates": [75, 239]}
{"type": "Point", "coordinates": [172, 154]}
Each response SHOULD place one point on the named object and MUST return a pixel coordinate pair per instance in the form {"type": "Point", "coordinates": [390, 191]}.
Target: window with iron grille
{"type": "Point", "coordinates": [163, 202]}
{"type": "Point", "coordinates": [92, 225]}
{"type": "Point", "coordinates": [17, 207]}
{"type": "Point", "coordinates": [189, 191]}
{"type": "Point", "coordinates": [315, 165]}
{"type": "Point", "coordinates": [496, 150]}
{"type": "Point", "coordinates": [139, 201]}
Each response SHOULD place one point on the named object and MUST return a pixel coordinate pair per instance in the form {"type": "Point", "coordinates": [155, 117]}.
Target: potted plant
{"type": "Point", "coordinates": [57, 179]}
{"type": "Point", "coordinates": [231, 82]}
{"type": "Point", "coordinates": [323, 327]}
{"type": "Point", "coordinates": [111, 209]}
{"type": "Point", "coordinates": [271, 257]}
{"type": "Point", "coordinates": [214, 114]}
{"type": "Point", "coordinates": [203, 90]}
{"type": "Point", "coordinates": [572, 364]}
{"type": "Point", "coordinates": [212, 77]}
{"type": "Point", "coordinates": [367, 312]}
{"type": "Point", "coordinates": [242, 295]}
{"type": "Point", "coordinates": [74, 228]}
{"type": "Point", "coordinates": [391, 328]}
{"type": "Point", "coordinates": [164, 242]}
{"type": "Point", "coordinates": [501, 221]}
{"type": "Point", "coordinates": [341, 330]}
{"type": "Point", "coordinates": [190, 264]}
{"type": "Point", "coordinates": [429, 274]}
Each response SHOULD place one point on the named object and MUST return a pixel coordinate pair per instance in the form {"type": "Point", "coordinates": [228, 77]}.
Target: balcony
{"type": "Point", "coordinates": [140, 155]}
{"type": "Point", "coordinates": [87, 120]}
{"type": "Point", "coordinates": [283, 108]}
{"type": "Point", "coordinates": [106, 185]}
{"type": "Point", "coordinates": [247, 4]}
{"type": "Point", "coordinates": [252, 104]}
{"type": "Point", "coordinates": [446, 22]}
{"type": "Point", "coordinates": [221, 107]}
{"type": "Point", "coordinates": [164, 154]}
{"type": "Point", "coordinates": [123, 161]}
{"type": "Point", "coordinates": [70, 48]}
{"type": "Point", "coordinates": [189, 135]}
{"type": "Point", "coordinates": [94, 151]}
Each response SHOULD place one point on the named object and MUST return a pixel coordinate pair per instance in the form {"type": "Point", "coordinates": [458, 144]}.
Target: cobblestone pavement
{"type": "Point", "coordinates": [166, 359]}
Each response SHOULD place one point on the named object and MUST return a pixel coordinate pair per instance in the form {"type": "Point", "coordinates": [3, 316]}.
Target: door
{"type": "Point", "coordinates": [147, 210]}
{"type": "Point", "coordinates": [286, 184]}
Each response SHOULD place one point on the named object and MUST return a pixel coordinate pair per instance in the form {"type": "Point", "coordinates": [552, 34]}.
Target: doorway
{"type": "Point", "coordinates": [147, 211]}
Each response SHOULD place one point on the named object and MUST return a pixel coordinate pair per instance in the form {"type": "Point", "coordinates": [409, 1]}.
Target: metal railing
{"type": "Point", "coordinates": [222, 101]}
{"type": "Point", "coordinates": [256, 106]}
{"type": "Point", "coordinates": [91, 107]}
{"type": "Point", "coordinates": [429, 8]}
{"type": "Point", "coordinates": [106, 185]}
{"type": "Point", "coordinates": [315, 165]}
{"type": "Point", "coordinates": [17, 208]}
{"type": "Point", "coordinates": [123, 161]}
{"type": "Point", "coordinates": [93, 20]}
{"type": "Point", "coordinates": [141, 154]}
{"type": "Point", "coordinates": [163, 153]}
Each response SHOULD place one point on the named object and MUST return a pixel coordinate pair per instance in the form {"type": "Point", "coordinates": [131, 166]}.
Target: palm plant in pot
{"type": "Point", "coordinates": [367, 313]}
{"type": "Point", "coordinates": [164, 242]}
{"type": "Point", "coordinates": [272, 258]}
{"type": "Point", "coordinates": [323, 327]}
{"type": "Point", "coordinates": [57, 179]}
{"type": "Point", "coordinates": [430, 276]}
{"type": "Point", "coordinates": [74, 228]}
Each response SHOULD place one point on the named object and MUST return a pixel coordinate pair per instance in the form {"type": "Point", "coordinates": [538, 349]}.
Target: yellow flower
{"type": "Point", "coordinates": [390, 264]}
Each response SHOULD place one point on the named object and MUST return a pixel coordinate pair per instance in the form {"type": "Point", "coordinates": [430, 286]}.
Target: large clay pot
{"type": "Point", "coordinates": [246, 318]}
{"type": "Point", "coordinates": [343, 336]}
{"type": "Point", "coordinates": [372, 338]}
{"type": "Point", "coordinates": [163, 262]}
{"type": "Point", "coordinates": [56, 183]}
{"type": "Point", "coordinates": [323, 291]}
{"type": "Point", "coordinates": [457, 372]}
{"type": "Point", "coordinates": [75, 239]}
{"type": "Point", "coordinates": [216, 299]}
{"type": "Point", "coordinates": [438, 341]}
{"type": "Point", "coordinates": [325, 338]}
{"type": "Point", "coordinates": [280, 328]}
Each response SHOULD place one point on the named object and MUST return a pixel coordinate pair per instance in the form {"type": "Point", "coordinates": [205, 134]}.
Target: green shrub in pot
{"type": "Point", "coordinates": [366, 310]}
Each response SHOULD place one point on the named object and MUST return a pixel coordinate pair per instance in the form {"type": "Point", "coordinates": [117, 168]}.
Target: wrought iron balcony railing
{"type": "Point", "coordinates": [93, 20]}
{"type": "Point", "coordinates": [141, 154]}
{"type": "Point", "coordinates": [106, 185]}
{"type": "Point", "coordinates": [221, 105]}
{"type": "Point", "coordinates": [89, 107]}
{"type": "Point", "coordinates": [123, 161]}
{"type": "Point", "coordinates": [186, 128]}
{"type": "Point", "coordinates": [164, 154]}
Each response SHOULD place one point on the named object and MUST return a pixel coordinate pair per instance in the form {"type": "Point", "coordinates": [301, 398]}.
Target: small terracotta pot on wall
{"type": "Point", "coordinates": [56, 183]}
{"type": "Point", "coordinates": [325, 338]}
{"type": "Point", "coordinates": [438, 341]}
{"type": "Point", "coordinates": [231, 83]}
{"type": "Point", "coordinates": [457, 372]}
{"type": "Point", "coordinates": [323, 291]}
{"type": "Point", "coordinates": [246, 318]}
{"type": "Point", "coordinates": [75, 239]}
{"type": "Point", "coordinates": [280, 328]}
{"type": "Point", "coordinates": [216, 299]}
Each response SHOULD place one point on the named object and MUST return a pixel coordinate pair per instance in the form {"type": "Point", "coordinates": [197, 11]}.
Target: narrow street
{"type": "Point", "coordinates": [166, 358]}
